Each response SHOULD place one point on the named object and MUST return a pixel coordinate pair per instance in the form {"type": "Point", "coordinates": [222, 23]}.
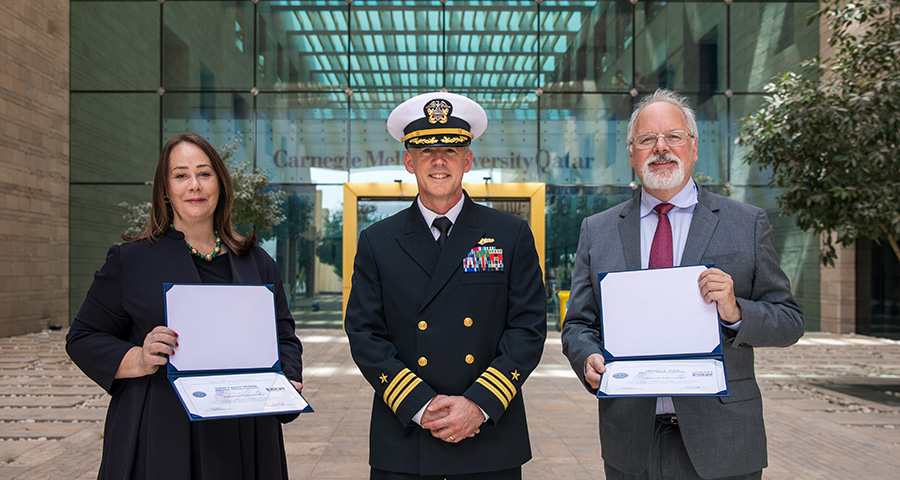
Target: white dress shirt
{"type": "Point", "coordinates": [452, 214]}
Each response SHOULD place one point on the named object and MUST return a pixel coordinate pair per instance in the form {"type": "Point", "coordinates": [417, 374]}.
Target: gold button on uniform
{"type": "Point", "coordinates": [468, 322]}
{"type": "Point", "coordinates": [423, 325]}
{"type": "Point", "coordinates": [423, 361]}
{"type": "Point", "coordinates": [470, 359]}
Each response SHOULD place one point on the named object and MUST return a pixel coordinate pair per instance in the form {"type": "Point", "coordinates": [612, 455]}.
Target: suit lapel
{"type": "Point", "coordinates": [703, 224]}
{"type": "Point", "coordinates": [630, 233]}
{"type": "Point", "coordinates": [182, 263]}
{"type": "Point", "coordinates": [417, 240]}
{"type": "Point", "coordinates": [464, 235]}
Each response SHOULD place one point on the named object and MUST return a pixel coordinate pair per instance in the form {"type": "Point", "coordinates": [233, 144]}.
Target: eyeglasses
{"type": "Point", "coordinates": [673, 138]}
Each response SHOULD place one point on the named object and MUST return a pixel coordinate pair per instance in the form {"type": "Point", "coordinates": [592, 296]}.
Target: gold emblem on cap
{"type": "Point", "coordinates": [485, 240]}
{"type": "Point", "coordinates": [438, 111]}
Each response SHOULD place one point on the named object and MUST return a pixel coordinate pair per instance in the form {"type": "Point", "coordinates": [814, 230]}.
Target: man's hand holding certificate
{"type": "Point", "coordinates": [660, 337]}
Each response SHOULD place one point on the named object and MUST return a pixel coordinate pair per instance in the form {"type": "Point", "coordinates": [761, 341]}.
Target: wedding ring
{"type": "Point", "coordinates": [451, 438]}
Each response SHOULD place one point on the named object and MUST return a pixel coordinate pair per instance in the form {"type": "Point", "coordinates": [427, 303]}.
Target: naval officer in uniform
{"type": "Point", "coordinates": [447, 312]}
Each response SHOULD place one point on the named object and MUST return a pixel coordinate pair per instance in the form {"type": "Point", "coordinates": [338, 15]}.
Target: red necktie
{"type": "Point", "coordinates": [661, 248]}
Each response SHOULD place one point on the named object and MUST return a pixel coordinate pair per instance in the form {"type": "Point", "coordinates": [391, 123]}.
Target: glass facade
{"type": "Point", "coordinates": [306, 87]}
{"type": "Point", "coordinates": [877, 289]}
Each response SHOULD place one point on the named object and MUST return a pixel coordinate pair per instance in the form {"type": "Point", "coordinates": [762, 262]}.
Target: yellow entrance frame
{"type": "Point", "coordinates": [535, 193]}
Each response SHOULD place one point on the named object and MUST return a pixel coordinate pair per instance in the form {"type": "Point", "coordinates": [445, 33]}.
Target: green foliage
{"type": "Point", "coordinates": [331, 240]}
{"type": "Point", "coordinates": [255, 204]}
{"type": "Point", "coordinates": [330, 248]}
{"type": "Point", "coordinates": [298, 211]}
{"type": "Point", "coordinates": [830, 135]}
{"type": "Point", "coordinates": [135, 217]}
{"type": "Point", "coordinates": [720, 187]}
{"type": "Point", "coordinates": [299, 254]}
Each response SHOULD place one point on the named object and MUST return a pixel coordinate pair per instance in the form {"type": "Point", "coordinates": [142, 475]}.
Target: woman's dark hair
{"type": "Point", "coordinates": [161, 214]}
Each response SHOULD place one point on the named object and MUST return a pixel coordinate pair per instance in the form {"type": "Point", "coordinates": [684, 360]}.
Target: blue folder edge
{"type": "Point", "coordinates": [173, 373]}
{"type": "Point", "coordinates": [717, 353]}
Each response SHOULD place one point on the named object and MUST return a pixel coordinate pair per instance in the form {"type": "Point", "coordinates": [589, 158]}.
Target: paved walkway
{"type": "Point", "coordinates": [832, 410]}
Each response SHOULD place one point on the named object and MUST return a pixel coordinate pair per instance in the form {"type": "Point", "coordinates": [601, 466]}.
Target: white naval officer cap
{"type": "Point", "coordinates": [437, 119]}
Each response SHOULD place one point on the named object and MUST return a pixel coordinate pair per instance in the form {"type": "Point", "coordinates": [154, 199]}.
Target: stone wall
{"type": "Point", "coordinates": [34, 161]}
{"type": "Point", "coordinates": [838, 283]}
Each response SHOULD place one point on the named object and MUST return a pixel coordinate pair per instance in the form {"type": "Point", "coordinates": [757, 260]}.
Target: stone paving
{"type": "Point", "coordinates": [832, 411]}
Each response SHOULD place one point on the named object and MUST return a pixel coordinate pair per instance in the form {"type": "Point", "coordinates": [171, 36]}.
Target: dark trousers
{"type": "Point", "coordinates": [511, 474]}
{"type": "Point", "coordinates": [669, 459]}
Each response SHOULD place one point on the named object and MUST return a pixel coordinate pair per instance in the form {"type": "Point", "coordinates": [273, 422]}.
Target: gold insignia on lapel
{"type": "Point", "coordinates": [485, 240]}
{"type": "Point", "coordinates": [515, 375]}
{"type": "Point", "coordinates": [383, 378]}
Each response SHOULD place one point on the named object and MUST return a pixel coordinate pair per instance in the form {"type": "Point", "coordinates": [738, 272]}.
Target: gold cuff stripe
{"type": "Point", "coordinates": [507, 392]}
{"type": "Point", "coordinates": [397, 384]}
{"type": "Point", "coordinates": [503, 380]}
{"type": "Point", "coordinates": [436, 131]}
{"type": "Point", "coordinates": [416, 381]}
{"type": "Point", "coordinates": [493, 390]}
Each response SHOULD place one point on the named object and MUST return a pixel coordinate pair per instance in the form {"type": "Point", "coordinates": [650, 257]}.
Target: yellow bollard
{"type": "Point", "coordinates": [563, 305]}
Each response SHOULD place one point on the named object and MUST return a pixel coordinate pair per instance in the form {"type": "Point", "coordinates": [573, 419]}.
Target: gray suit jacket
{"type": "Point", "coordinates": [724, 436]}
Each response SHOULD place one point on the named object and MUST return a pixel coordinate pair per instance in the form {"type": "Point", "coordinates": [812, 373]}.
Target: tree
{"type": "Point", "coordinates": [256, 205]}
{"type": "Point", "coordinates": [330, 245]}
{"type": "Point", "coordinates": [331, 240]}
{"type": "Point", "coordinates": [831, 134]}
{"type": "Point", "coordinates": [299, 257]}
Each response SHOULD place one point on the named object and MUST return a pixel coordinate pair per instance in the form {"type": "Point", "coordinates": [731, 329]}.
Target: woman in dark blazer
{"type": "Point", "coordinates": [118, 338]}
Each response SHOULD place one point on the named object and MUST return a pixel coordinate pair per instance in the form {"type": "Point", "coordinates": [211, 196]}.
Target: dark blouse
{"type": "Point", "coordinates": [216, 271]}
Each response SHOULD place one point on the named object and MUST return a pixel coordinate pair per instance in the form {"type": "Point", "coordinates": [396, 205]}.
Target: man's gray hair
{"type": "Point", "coordinates": [668, 96]}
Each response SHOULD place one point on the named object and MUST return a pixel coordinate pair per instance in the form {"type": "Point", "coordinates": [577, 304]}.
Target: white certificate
{"type": "Point", "coordinates": [222, 327]}
{"type": "Point", "coordinates": [226, 363]}
{"type": "Point", "coordinates": [655, 312]}
{"type": "Point", "coordinates": [660, 338]}
{"type": "Point", "coordinates": [663, 377]}
{"type": "Point", "coordinates": [216, 396]}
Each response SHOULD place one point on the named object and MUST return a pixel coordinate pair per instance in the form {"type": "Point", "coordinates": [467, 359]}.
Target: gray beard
{"type": "Point", "coordinates": [662, 180]}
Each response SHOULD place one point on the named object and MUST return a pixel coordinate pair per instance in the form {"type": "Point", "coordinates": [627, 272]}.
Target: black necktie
{"type": "Point", "coordinates": [443, 225]}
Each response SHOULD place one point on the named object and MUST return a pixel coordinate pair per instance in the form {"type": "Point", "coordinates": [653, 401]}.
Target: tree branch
{"type": "Point", "coordinates": [892, 241]}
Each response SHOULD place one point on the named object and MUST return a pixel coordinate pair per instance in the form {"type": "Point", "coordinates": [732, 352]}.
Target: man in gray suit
{"type": "Point", "coordinates": [675, 222]}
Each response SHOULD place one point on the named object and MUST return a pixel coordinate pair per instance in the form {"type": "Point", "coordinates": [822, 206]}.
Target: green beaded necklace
{"type": "Point", "coordinates": [210, 256]}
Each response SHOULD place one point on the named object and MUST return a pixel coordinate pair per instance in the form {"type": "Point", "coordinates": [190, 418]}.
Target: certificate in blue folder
{"type": "Point", "coordinates": [226, 363]}
{"type": "Point", "coordinates": [660, 338]}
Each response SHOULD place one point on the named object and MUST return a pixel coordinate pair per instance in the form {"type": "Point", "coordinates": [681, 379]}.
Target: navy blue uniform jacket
{"type": "Point", "coordinates": [420, 326]}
